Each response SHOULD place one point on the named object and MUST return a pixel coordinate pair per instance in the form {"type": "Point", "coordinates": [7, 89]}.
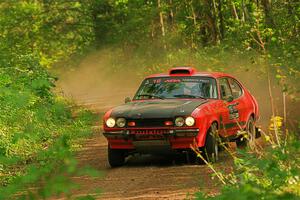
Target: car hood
{"type": "Point", "coordinates": [157, 108]}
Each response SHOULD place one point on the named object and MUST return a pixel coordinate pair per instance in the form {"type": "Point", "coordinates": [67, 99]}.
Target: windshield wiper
{"type": "Point", "coordinates": [150, 95]}
{"type": "Point", "coordinates": [188, 96]}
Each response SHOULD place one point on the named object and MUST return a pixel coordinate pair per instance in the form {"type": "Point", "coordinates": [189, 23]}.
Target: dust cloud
{"type": "Point", "coordinates": [257, 84]}
{"type": "Point", "coordinates": [98, 84]}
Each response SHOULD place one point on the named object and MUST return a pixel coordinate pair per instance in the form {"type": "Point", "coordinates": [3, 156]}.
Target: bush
{"type": "Point", "coordinates": [38, 134]}
{"type": "Point", "coordinates": [274, 173]}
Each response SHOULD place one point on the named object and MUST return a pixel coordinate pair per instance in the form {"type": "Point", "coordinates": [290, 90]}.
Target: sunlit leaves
{"type": "Point", "coordinates": [37, 130]}
{"type": "Point", "coordinates": [53, 30]}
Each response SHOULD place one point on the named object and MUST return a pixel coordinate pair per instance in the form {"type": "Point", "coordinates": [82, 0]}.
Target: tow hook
{"type": "Point", "coordinates": [257, 132]}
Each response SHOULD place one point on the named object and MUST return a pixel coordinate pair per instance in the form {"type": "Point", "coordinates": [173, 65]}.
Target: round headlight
{"type": "Point", "coordinates": [110, 122]}
{"type": "Point", "coordinates": [189, 121]}
{"type": "Point", "coordinates": [121, 122]}
{"type": "Point", "coordinates": [179, 121]}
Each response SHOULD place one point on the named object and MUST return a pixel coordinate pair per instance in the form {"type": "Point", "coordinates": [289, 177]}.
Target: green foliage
{"type": "Point", "coordinates": [215, 35]}
{"type": "Point", "coordinates": [156, 31]}
{"type": "Point", "coordinates": [49, 175]}
{"type": "Point", "coordinates": [49, 31]}
{"type": "Point", "coordinates": [273, 176]}
{"type": "Point", "coordinates": [38, 132]}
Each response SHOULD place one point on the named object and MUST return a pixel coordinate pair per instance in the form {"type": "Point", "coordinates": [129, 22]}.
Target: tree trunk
{"type": "Point", "coordinates": [236, 16]}
{"type": "Point", "coordinates": [152, 30]}
{"type": "Point", "coordinates": [161, 20]}
{"type": "Point", "coordinates": [193, 14]}
{"type": "Point", "coordinates": [245, 11]}
{"type": "Point", "coordinates": [215, 23]}
{"type": "Point", "coordinates": [268, 12]}
{"type": "Point", "coordinates": [194, 17]}
{"type": "Point", "coordinates": [222, 27]}
{"type": "Point", "coordinates": [211, 20]}
{"type": "Point", "coordinates": [171, 13]}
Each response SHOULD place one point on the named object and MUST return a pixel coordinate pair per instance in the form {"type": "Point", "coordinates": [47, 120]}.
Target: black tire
{"type": "Point", "coordinates": [211, 148]}
{"type": "Point", "coordinates": [116, 157]}
{"type": "Point", "coordinates": [248, 140]}
{"type": "Point", "coordinates": [191, 157]}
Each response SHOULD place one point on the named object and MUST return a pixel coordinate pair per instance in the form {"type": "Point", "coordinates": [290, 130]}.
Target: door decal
{"type": "Point", "coordinates": [233, 111]}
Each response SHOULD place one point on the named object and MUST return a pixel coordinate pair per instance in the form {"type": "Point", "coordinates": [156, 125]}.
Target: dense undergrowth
{"type": "Point", "coordinates": [269, 172]}
{"type": "Point", "coordinates": [38, 129]}
{"type": "Point", "coordinates": [39, 134]}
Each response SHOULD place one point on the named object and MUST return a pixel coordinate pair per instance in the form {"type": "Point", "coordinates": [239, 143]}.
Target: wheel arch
{"type": "Point", "coordinates": [215, 122]}
{"type": "Point", "coordinates": [203, 134]}
{"type": "Point", "coordinates": [251, 115]}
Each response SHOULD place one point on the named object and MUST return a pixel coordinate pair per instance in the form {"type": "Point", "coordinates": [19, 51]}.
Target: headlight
{"type": "Point", "coordinates": [110, 122]}
{"type": "Point", "coordinates": [189, 121]}
{"type": "Point", "coordinates": [121, 122]}
{"type": "Point", "coordinates": [179, 121]}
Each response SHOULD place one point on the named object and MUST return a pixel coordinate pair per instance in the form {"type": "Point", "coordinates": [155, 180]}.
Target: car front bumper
{"type": "Point", "coordinates": [134, 138]}
{"type": "Point", "coordinates": [127, 134]}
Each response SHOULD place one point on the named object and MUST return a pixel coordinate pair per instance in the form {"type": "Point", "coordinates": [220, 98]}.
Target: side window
{"type": "Point", "coordinates": [224, 88]}
{"type": "Point", "coordinates": [235, 88]}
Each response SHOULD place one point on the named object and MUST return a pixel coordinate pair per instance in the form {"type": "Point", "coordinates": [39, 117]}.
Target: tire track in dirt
{"type": "Point", "coordinates": [144, 177]}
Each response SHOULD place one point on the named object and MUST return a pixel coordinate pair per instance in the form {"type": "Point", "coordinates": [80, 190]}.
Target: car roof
{"type": "Point", "coordinates": [192, 73]}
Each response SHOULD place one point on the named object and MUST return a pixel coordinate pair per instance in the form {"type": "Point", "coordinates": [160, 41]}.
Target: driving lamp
{"type": "Point", "coordinates": [110, 122]}
{"type": "Point", "coordinates": [179, 121]}
{"type": "Point", "coordinates": [189, 121]}
{"type": "Point", "coordinates": [121, 122]}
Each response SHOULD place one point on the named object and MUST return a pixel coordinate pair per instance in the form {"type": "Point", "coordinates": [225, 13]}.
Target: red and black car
{"type": "Point", "coordinates": [174, 110]}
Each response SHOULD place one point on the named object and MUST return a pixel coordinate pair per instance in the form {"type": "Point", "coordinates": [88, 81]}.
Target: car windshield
{"type": "Point", "coordinates": [177, 88]}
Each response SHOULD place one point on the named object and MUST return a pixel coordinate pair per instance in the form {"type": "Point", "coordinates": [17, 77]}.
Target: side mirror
{"type": "Point", "coordinates": [127, 100]}
{"type": "Point", "coordinates": [229, 98]}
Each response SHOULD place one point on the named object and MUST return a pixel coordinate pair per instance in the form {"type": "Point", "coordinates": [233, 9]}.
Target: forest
{"type": "Point", "coordinates": [41, 130]}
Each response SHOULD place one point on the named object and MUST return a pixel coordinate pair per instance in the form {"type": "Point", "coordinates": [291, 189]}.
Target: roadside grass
{"type": "Point", "coordinates": [39, 135]}
{"type": "Point", "coordinates": [272, 172]}
{"type": "Point", "coordinates": [39, 131]}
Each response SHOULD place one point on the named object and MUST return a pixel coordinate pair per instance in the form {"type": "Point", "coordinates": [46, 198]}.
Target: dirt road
{"type": "Point", "coordinates": [145, 177]}
{"type": "Point", "coordinates": [142, 177]}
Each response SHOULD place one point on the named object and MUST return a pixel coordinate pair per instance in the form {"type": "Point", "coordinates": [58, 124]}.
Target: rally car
{"type": "Point", "coordinates": [172, 111]}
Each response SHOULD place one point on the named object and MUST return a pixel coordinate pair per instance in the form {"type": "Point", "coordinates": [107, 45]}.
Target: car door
{"type": "Point", "coordinates": [240, 100]}
{"type": "Point", "coordinates": [229, 119]}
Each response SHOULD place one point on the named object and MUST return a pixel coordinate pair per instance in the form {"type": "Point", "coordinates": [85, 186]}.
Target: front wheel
{"type": "Point", "coordinates": [211, 149]}
{"type": "Point", "coordinates": [116, 157]}
{"type": "Point", "coordinates": [248, 139]}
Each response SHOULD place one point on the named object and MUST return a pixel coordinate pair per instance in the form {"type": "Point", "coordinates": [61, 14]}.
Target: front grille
{"type": "Point", "coordinates": [150, 132]}
{"type": "Point", "coordinates": [149, 122]}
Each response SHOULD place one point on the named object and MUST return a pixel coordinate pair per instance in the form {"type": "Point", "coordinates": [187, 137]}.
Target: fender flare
{"type": "Point", "coordinates": [203, 131]}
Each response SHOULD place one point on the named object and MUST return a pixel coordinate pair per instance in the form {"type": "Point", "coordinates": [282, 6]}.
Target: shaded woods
{"type": "Point", "coordinates": [38, 128]}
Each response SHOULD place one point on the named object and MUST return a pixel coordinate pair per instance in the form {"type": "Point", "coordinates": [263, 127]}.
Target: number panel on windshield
{"type": "Point", "coordinates": [177, 88]}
